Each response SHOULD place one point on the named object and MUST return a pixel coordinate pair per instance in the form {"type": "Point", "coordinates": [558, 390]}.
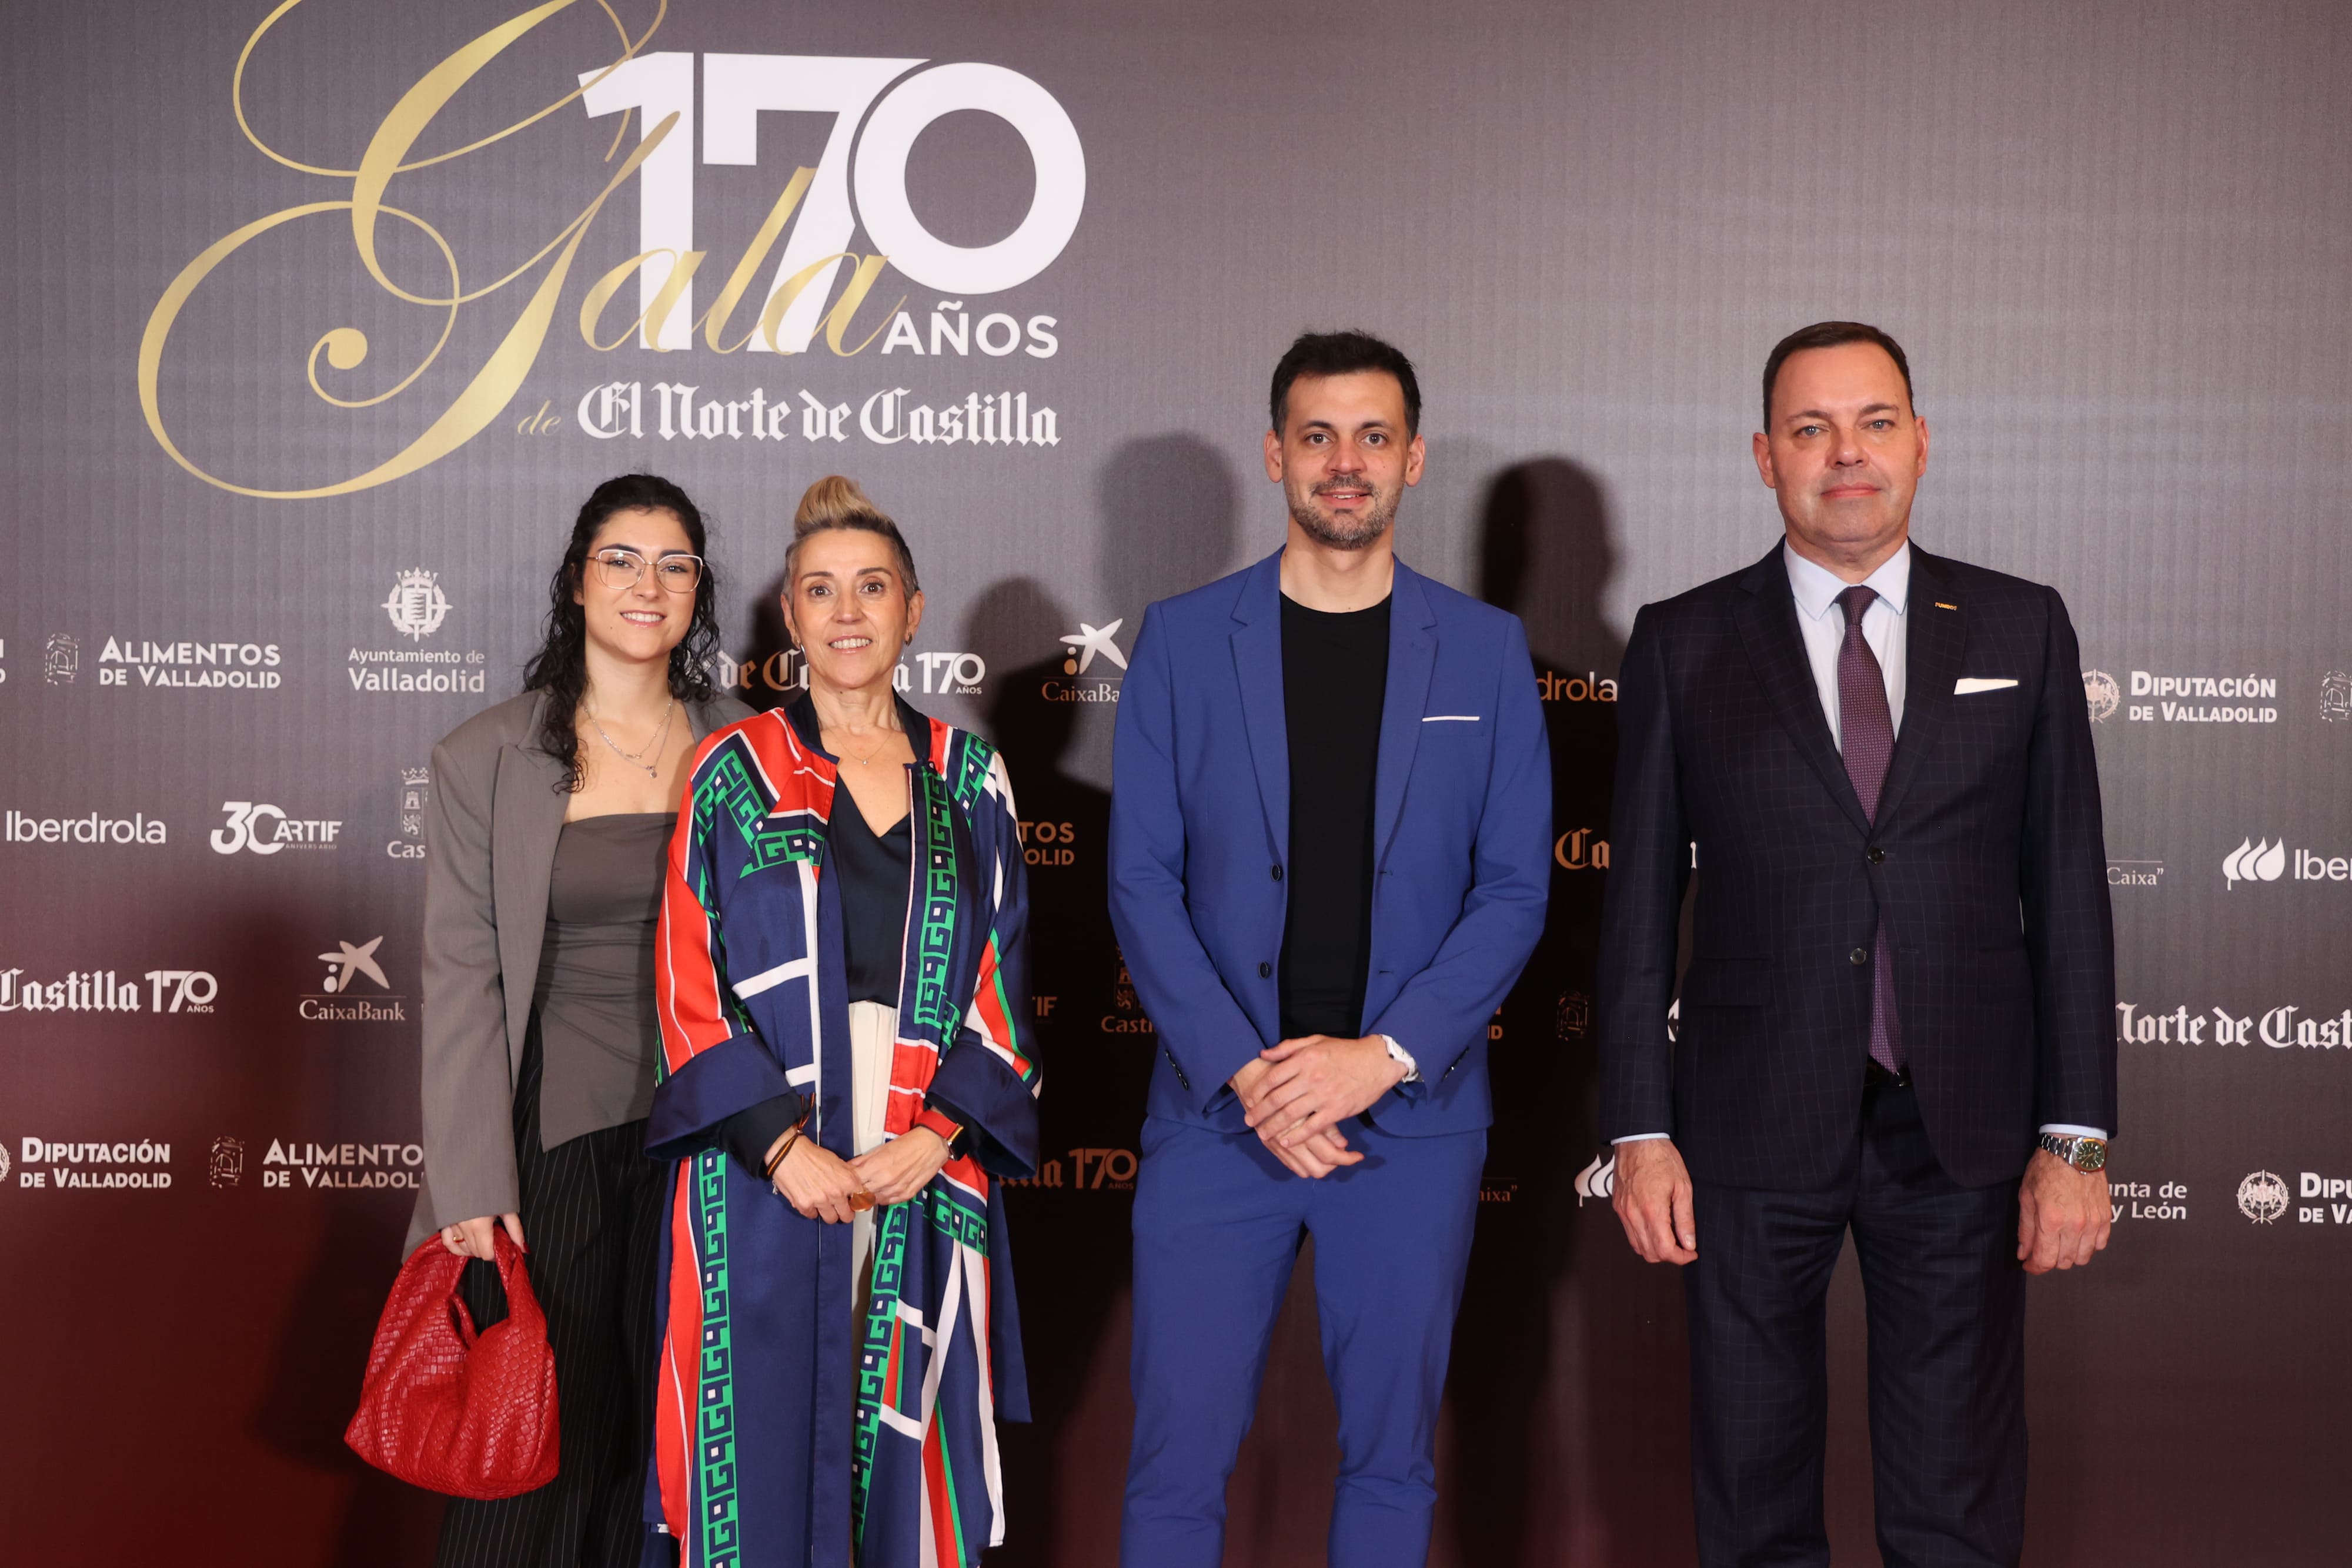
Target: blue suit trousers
{"type": "Point", "coordinates": [1218, 1223]}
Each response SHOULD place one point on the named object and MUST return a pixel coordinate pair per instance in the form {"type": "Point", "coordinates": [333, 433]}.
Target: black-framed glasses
{"type": "Point", "coordinates": [619, 567]}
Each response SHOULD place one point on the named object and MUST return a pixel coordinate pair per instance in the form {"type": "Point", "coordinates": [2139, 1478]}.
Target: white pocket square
{"type": "Point", "coordinates": [1473, 718]}
{"type": "Point", "coordinates": [1968, 683]}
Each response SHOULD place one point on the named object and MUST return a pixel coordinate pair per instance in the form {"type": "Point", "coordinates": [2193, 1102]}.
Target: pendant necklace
{"type": "Point", "coordinates": [637, 758]}
{"type": "Point", "coordinates": [870, 756]}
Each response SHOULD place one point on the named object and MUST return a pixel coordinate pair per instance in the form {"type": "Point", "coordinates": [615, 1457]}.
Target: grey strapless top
{"type": "Point", "coordinates": [595, 994]}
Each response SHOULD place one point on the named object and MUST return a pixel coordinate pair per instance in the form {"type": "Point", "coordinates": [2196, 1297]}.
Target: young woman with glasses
{"type": "Point", "coordinates": [548, 829]}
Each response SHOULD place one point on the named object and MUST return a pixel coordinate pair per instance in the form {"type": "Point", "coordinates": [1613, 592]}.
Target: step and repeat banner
{"type": "Point", "coordinates": [327, 318]}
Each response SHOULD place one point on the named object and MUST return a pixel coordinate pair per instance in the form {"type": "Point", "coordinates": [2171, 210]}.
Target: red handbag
{"type": "Point", "coordinates": [453, 1411]}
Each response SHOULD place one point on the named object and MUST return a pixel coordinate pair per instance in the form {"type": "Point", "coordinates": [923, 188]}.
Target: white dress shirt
{"type": "Point", "coordinates": [1822, 623]}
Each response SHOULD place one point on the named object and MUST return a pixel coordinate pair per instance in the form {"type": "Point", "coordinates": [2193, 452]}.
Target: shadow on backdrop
{"type": "Point", "coordinates": [1165, 516]}
{"type": "Point", "coordinates": [1520, 1478]}
{"type": "Point", "coordinates": [772, 667]}
{"type": "Point", "coordinates": [1169, 512]}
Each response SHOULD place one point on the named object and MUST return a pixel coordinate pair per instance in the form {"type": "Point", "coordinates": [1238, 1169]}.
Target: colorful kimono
{"type": "Point", "coordinates": [778, 1442]}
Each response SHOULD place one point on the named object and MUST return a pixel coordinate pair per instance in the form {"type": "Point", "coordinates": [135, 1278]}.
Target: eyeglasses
{"type": "Point", "coordinates": [616, 568]}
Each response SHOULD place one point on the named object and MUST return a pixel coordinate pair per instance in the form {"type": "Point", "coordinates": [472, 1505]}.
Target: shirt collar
{"type": "Point", "coordinates": [1817, 588]}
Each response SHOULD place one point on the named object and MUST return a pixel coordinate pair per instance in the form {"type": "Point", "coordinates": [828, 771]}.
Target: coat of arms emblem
{"type": "Point", "coordinates": [2099, 690]}
{"type": "Point", "coordinates": [417, 605]}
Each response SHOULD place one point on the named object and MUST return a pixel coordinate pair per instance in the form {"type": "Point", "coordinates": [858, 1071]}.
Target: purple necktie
{"type": "Point", "coordinates": [1866, 736]}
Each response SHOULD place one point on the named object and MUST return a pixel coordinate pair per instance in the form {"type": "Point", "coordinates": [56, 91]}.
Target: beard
{"type": "Point", "coordinates": [1342, 532]}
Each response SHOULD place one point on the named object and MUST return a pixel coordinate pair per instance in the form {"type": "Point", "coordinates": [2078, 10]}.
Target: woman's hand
{"type": "Point", "coordinates": [816, 1181]}
{"type": "Point", "coordinates": [474, 1238]}
{"type": "Point", "coordinates": [903, 1166]}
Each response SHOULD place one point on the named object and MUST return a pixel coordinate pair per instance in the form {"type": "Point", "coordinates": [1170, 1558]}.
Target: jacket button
{"type": "Point", "coordinates": [1277, 872]}
{"type": "Point", "coordinates": [1263, 970]}
{"type": "Point", "coordinates": [1859, 957]}
{"type": "Point", "coordinates": [1876, 855]}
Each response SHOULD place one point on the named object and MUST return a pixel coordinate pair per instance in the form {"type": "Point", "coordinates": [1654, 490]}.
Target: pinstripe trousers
{"type": "Point", "coordinates": [592, 1213]}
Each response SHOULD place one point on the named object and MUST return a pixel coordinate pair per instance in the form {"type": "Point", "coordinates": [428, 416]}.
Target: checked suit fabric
{"type": "Point", "coordinates": [1867, 739]}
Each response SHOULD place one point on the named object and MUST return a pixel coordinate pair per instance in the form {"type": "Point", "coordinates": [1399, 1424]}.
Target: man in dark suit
{"type": "Point", "coordinates": [1896, 1017]}
{"type": "Point", "coordinates": [1331, 847]}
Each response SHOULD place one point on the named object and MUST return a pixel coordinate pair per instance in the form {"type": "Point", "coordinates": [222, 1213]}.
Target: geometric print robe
{"type": "Point", "coordinates": [778, 1442]}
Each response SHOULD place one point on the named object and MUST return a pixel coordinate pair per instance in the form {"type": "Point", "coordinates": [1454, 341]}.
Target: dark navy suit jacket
{"type": "Point", "coordinates": [1199, 830]}
{"type": "Point", "coordinates": [1987, 865]}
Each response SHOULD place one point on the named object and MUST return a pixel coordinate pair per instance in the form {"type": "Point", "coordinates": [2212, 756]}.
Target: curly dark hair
{"type": "Point", "coordinates": [560, 668]}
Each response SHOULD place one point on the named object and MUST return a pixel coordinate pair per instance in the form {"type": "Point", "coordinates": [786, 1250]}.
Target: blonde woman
{"type": "Point", "coordinates": [842, 998]}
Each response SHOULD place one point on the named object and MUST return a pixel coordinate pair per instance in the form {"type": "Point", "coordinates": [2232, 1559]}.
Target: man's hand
{"type": "Point", "coordinates": [898, 1170]}
{"type": "Point", "coordinates": [1249, 1084]}
{"type": "Point", "coordinates": [2063, 1214]}
{"type": "Point", "coordinates": [1312, 1157]}
{"type": "Point", "coordinates": [1315, 1083]}
{"type": "Point", "coordinates": [1653, 1201]}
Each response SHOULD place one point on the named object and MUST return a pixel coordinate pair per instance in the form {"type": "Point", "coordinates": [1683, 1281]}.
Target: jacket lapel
{"type": "Point", "coordinates": [1257, 667]}
{"type": "Point", "coordinates": [1933, 643]}
{"type": "Point", "coordinates": [1767, 614]}
{"type": "Point", "coordinates": [1413, 654]}
{"type": "Point", "coordinates": [527, 817]}
{"type": "Point", "coordinates": [700, 718]}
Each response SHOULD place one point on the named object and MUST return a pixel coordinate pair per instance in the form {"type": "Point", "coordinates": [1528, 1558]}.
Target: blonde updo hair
{"type": "Point", "coordinates": [836, 502]}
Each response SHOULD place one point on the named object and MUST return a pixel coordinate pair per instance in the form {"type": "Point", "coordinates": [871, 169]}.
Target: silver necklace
{"type": "Point", "coordinates": [637, 758]}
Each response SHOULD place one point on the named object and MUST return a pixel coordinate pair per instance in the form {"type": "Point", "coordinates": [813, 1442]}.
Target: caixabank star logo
{"type": "Point", "coordinates": [354, 990]}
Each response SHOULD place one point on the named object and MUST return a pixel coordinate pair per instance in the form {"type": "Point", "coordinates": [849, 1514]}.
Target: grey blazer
{"type": "Point", "coordinates": [489, 846]}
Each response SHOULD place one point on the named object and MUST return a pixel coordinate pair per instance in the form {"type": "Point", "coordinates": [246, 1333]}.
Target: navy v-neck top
{"type": "Point", "coordinates": [873, 870]}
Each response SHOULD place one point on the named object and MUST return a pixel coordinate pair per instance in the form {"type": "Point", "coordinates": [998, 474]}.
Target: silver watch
{"type": "Point", "coordinates": [2084, 1153]}
{"type": "Point", "coordinates": [1399, 1053]}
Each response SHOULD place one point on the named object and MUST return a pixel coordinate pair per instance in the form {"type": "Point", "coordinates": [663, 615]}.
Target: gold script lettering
{"type": "Point", "coordinates": [502, 375]}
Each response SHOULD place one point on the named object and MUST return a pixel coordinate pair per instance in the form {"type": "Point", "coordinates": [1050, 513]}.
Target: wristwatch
{"type": "Point", "coordinates": [2084, 1155]}
{"type": "Point", "coordinates": [1403, 1058]}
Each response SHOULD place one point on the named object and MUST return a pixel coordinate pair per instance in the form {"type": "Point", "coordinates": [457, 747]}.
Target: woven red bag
{"type": "Point", "coordinates": [444, 1407]}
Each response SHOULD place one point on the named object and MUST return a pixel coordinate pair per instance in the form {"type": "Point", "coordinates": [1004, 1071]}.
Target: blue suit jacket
{"type": "Point", "coordinates": [1985, 864]}
{"type": "Point", "coordinates": [1200, 832]}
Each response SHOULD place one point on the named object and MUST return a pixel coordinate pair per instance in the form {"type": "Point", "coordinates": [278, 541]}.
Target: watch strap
{"type": "Point", "coordinates": [2084, 1153]}
{"type": "Point", "coordinates": [950, 1131]}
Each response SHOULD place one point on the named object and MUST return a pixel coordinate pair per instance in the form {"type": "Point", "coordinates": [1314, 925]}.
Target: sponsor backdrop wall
{"type": "Point", "coordinates": [325, 319]}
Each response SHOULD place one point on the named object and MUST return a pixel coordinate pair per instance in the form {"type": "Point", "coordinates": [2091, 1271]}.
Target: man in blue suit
{"type": "Point", "coordinates": [1897, 1018]}
{"type": "Point", "coordinates": [1330, 848]}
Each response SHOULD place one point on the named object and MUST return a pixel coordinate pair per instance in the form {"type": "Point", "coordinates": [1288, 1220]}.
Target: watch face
{"type": "Point", "coordinates": [2090, 1155]}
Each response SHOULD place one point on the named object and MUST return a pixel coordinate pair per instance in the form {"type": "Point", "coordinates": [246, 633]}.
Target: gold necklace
{"type": "Point", "coordinates": [870, 756]}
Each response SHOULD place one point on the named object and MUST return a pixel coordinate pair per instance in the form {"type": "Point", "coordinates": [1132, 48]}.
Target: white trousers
{"type": "Point", "coordinates": [873, 1039]}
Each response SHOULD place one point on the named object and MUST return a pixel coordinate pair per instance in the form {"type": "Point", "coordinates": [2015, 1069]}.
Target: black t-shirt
{"type": "Point", "coordinates": [1335, 675]}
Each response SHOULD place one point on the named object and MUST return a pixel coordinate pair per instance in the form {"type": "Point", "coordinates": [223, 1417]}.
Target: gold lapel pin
{"type": "Point", "coordinates": [1941, 605]}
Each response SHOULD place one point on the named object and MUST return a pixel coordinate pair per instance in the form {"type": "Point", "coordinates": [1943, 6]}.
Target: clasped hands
{"type": "Point", "coordinates": [821, 1185]}
{"type": "Point", "coordinates": [1296, 1095]}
